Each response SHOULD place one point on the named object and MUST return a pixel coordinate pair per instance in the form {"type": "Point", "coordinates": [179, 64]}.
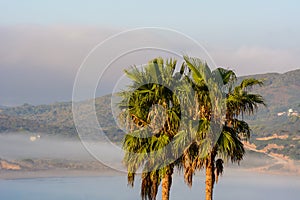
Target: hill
{"type": "Point", "coordinates": [55, 118]}
{"type": "Point", "coordinates": [276, 128]}
{"type": "Point", "coordinates": [281, 117]}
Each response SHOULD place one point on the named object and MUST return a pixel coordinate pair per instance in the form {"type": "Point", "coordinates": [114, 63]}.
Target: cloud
{"type": "Point", "coordinates": [256, 59]}
{"type": "Point", "coordinates": [45, 46]}
{"type": "Point", "coordinates": [38, 63]}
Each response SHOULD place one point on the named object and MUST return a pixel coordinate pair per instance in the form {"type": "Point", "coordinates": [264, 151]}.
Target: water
{"type": "Point", "coordinates": [246, 186]}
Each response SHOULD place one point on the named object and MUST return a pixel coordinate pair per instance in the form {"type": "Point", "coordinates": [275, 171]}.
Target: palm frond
{"type": "Point", "coordinates": [219, 169]}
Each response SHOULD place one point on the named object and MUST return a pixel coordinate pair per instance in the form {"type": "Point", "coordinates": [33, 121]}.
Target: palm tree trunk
{"type": "Point", "coordinates": [166, 185]}
{"type": "Point", "coordinates": [209, 178]}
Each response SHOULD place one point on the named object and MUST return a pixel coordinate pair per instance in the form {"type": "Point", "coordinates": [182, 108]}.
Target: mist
{"type": "Point", "coordinates": [18, 146]}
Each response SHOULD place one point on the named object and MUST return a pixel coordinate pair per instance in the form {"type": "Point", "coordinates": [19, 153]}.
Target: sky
{"type": "Point", "coordinates": [44, 43]}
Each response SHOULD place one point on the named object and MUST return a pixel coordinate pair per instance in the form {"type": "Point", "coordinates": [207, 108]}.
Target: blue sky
{"type": "Point", "coordinates": [189, 16]}
{"type": "Point", "coordinates": [248, 19]}
{"type": "Point", "coordinates": [44, 42]}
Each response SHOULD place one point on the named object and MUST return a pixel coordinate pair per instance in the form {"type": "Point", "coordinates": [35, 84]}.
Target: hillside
{"type": "Point", "coordinates": [276, 128]}
{"type": "Point", "coordinates": [281, 116]}
{"type": "Point", "coordinates": [55, 118]}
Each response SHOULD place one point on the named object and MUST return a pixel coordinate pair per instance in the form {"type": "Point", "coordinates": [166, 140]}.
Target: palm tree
{"type": "Point", "coordinates": [205, 148]}
{"type": "Point", "coordinates": [151, 113]}
{"type": "Point", "coordinates": [212, 126]}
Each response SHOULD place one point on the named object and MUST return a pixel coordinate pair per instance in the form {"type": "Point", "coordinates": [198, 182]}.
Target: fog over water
{"type": "Point", "coordinates": [30, 145]}
{"type": "Point", "coordinates": [235, 183]}
{"type": "Point", "coordinates": [19, 146]}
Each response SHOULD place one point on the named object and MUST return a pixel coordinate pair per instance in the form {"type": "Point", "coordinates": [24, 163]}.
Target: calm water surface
{"type": "Point", "coordinates": [232, 186]}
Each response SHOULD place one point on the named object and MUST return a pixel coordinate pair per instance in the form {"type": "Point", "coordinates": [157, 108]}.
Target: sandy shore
{"type": "Point", "coordinates": [60, 173]}
{"type": "Point", "coordinates": [46, 168]}
{"type": "Point", "coordinates": [65, 168]}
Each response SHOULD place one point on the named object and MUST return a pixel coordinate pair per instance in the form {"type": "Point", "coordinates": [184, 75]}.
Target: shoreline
{"type": "Point", "coordinates": [72, 173]}
{"type": "Point", "coordinates": [56, 168]}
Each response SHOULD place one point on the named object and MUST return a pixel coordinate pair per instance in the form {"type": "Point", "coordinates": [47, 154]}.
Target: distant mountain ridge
{"type": "Point", "coordinates": [281, 92]}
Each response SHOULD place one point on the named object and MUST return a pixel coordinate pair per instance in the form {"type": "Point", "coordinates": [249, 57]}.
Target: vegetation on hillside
{"type": "Point", "coordinates": [281, 92]}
